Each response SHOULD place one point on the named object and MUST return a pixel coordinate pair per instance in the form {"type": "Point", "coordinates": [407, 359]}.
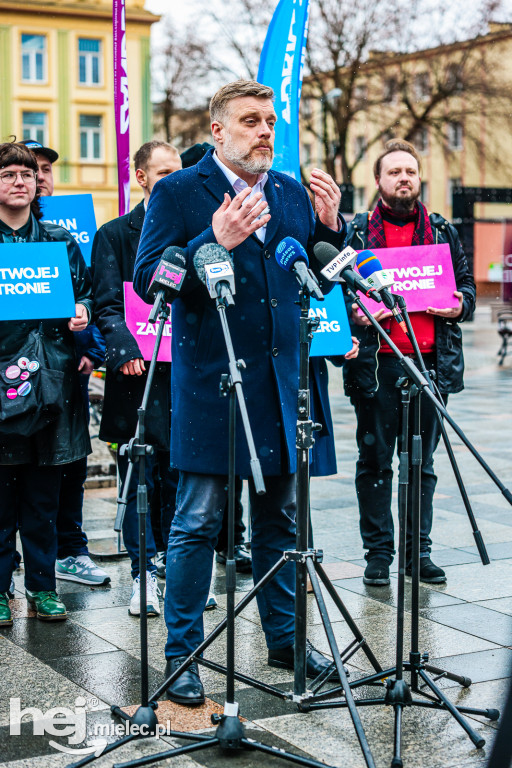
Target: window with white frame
{"type": "Point", "coordinates": [33, 59]}
{"type": "Point", "coordinates": [425, 192]}
{"type": "Point", "coordinates": [91, 137]}
{"type": "Point", "coordinates": [420, 140]}
{"type": "Point", "coordinates": [360, 147]}
{"type": "Point", "coordinates": [306, 154]}
{"type": "Point", "coordinates": [35, 126]}
{"type": "Point", "coordinates": [390, 89]}
{"type": "Point", "coordinates": [421, 86]}
{"type": "Point", "coordinates": [359, 198]}
{"type": "Point", "coordinates": [89, 61]}
{"type": "Point", "coordinates": [455, 135]}
{"type": "Point", "coordinates": [455, 182]}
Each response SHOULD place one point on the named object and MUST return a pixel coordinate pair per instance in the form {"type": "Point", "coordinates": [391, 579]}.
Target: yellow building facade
{"type": "Point", "coordinates": [452, 160]}
{"type": "Point", "coordinates": [56, 81]}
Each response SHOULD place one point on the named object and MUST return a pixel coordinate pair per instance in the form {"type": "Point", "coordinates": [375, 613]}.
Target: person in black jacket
{"type": "Point", "coordinates": [31, 466]}
{"type": "Point", "coordinates": [73, 560]}
{"type": "Point", "coordinates": [113, 256]}
{"type": "Point", "coordinates": [399, 219]}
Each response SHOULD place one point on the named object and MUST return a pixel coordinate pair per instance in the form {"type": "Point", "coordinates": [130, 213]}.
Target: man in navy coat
{"type": "Point", "coordinates": [231, 197]}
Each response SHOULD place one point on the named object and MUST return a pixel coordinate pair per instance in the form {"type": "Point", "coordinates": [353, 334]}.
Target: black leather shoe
{"type": "Point", "coordinates": [243, 559]}
{"type": "Point", "coordinates": [377, 572]}
{"type": "Point", "coordinates": [187, 688]}
{"type": "Point", "coordinates": [430, 573]}
{"type": "Point", "coordinates": [316, 662]}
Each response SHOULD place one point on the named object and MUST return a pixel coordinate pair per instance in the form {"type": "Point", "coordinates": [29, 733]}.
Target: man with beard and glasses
{"type": "Point", "coordinates": [400, 219]}
{"type": "Point", "coordinates": [233, 198]}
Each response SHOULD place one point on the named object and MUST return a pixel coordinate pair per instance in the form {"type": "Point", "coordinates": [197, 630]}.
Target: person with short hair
{"type": "Point", "coordinates": [31, 466]}
{"type": "Point", "coordinates": [231, 197]}
{"type": "Point", "coordinates": [113, 256]}
{"type": "Point", "coordinates": [74, 562]}
{"type": "Point", "coordinates": [400, 219]}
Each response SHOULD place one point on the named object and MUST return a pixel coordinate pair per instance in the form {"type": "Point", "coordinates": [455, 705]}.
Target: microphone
{"type": "Point", "coordinates": [214, 267]}
{"type": "Point", "coordinates": [292, 257]}
{"type": "Point", "coordinates": [338, 267]}
{"type": "Point", "coordinates": [370, 268]}
{"type": "Point", "coordinates": [169, 274]}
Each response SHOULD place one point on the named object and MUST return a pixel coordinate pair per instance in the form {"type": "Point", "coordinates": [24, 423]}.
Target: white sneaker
{"type": "Point", "coordinates": [81, 569]}
{"type": "Point", "coordinates": [211, 602]}
{"type": "Point", "coordinates": [152, 595]}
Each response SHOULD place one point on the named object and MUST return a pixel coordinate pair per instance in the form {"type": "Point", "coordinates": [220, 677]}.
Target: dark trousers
{"type": "Point", "coordinates": [200, 506]}
{"type": "Point", "coordinates": [163, 501]}
{"type": "Point", "coordinates": [29, 499]}
{"type": "Point", "coordinates": [379, 424]}
{"type": "Point", "coordinates": [72, 540]}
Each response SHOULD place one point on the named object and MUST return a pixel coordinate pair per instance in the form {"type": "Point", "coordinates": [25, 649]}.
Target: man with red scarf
{"type": "Point", "coordinates": [400, 219]}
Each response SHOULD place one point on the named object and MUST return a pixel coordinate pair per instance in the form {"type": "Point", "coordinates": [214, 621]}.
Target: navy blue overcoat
{"type": "Point", "coordinates": [264, 322]}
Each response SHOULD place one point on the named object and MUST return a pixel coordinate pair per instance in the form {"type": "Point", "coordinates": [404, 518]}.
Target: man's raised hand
{"type": "Point", "coordinates": [236, 219]}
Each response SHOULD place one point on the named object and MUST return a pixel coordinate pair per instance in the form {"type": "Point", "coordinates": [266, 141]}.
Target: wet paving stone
{"type": "Point", "coordinates": [463, 626]}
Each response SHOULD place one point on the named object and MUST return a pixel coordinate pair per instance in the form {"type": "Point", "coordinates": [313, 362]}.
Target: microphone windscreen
{"type": "Point", "coordinates": [289, 251]}
{"type": "Point", "coordinates": [367, 263]}
{"type": "Point", "coordinates": [325, 253]}
{"type": "Point", "coordinates": [211, 253]}
{"type": "Point", "coordinates": [175, 255]}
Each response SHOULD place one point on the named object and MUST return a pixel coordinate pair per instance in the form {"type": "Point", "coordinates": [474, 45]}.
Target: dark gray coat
{"type": "Point", "coordinates": [113, 256]}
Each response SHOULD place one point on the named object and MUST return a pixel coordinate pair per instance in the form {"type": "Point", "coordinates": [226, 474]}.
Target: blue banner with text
{"type": "Point", "coordinates": [35, 281]}
{"type": "Point", "coordinates": [76, 214]}
{"type": "Point", "coordinates": [333, 334]}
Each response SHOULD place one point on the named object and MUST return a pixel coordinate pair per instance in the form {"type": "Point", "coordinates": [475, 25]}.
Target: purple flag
{"type": "Point", "coordinates": [121, 107]}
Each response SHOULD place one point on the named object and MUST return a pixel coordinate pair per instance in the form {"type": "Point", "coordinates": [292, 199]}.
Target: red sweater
{"type": "Point", "coordinates": [422, 324]}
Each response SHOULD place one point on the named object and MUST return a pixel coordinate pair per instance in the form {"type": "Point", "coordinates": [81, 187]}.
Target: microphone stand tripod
{"type": "Point", "coordinates": [143, 723]}
{"type": "Point", "coordinates": [398, 691]}
{"type": "Point", "coordinates": [230, 733]}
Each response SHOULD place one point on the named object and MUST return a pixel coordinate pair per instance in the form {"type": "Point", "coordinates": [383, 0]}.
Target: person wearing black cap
{"type": "Point", "coordinates": [73, 560]}
{"type": "Point", "coordinates": [45, 159]}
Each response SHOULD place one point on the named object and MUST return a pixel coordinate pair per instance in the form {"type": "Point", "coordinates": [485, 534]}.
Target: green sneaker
{"type": "Point", "coordinates": [47, 605]}
{"type": "Point", "coordinates": [5, 611]}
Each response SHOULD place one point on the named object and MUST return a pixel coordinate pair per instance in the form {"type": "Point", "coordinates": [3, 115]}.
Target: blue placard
{"type": "Point", "coordinates": [76, 214]}
{"type": "Point", "coordinates": [35, 281]}
{"type": "Point", "coordinates": [333, 334]}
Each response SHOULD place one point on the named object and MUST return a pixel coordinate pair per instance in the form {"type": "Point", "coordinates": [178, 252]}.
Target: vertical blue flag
{"type": "Point", "coordinates": [281, 68]}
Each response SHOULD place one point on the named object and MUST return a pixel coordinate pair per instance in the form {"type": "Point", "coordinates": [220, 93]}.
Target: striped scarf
{"type": "Point", "coordinates": [422, 229]}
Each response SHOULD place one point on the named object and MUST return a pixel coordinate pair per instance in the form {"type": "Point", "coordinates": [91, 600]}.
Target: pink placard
{"type": "Point", "coordinates": [423, 276]}
{"type": "Point", "coordinates": [136, 313]}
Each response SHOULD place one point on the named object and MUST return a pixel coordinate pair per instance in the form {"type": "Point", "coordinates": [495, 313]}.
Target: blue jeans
{"type": "Point", "coordinates": [200, 506]}
{"type": "Point", "coordinates": [131, 518]}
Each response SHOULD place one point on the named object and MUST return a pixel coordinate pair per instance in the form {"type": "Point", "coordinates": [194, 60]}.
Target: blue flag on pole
{"type": "Point", "coordinates": [281, 67]}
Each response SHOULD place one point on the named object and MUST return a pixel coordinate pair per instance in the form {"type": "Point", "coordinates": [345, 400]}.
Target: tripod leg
{"type": "Point", "coordinates": [361, 640]}
{"type": "Point", "coordinates": [187, 749]}
{"type": "Point", "coordinates": [464, 681]}
{"type": "Point", "coordinates": [354, 714]}
{"type": "Point", "coordinates": [477, 740]}
{"type": "Point", "coordinates": [397, 756]}
{"type": "Point", "coordinates": [276, 752]}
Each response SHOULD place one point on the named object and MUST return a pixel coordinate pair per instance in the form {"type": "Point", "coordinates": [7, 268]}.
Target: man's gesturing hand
{"type": "Point", "coordinates": [327, 198]}
{"type": "Point", "coordinates": [236, 219]}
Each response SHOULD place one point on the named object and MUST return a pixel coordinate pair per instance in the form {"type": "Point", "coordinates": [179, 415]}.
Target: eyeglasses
{"type": "Point", "coordinates": [9, 177]}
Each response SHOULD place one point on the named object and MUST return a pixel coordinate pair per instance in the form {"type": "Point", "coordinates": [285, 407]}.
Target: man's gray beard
{"type": "Point", "coordinates": [244, 160]}
{"type": "Point", "coordinates": [400, 205]}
